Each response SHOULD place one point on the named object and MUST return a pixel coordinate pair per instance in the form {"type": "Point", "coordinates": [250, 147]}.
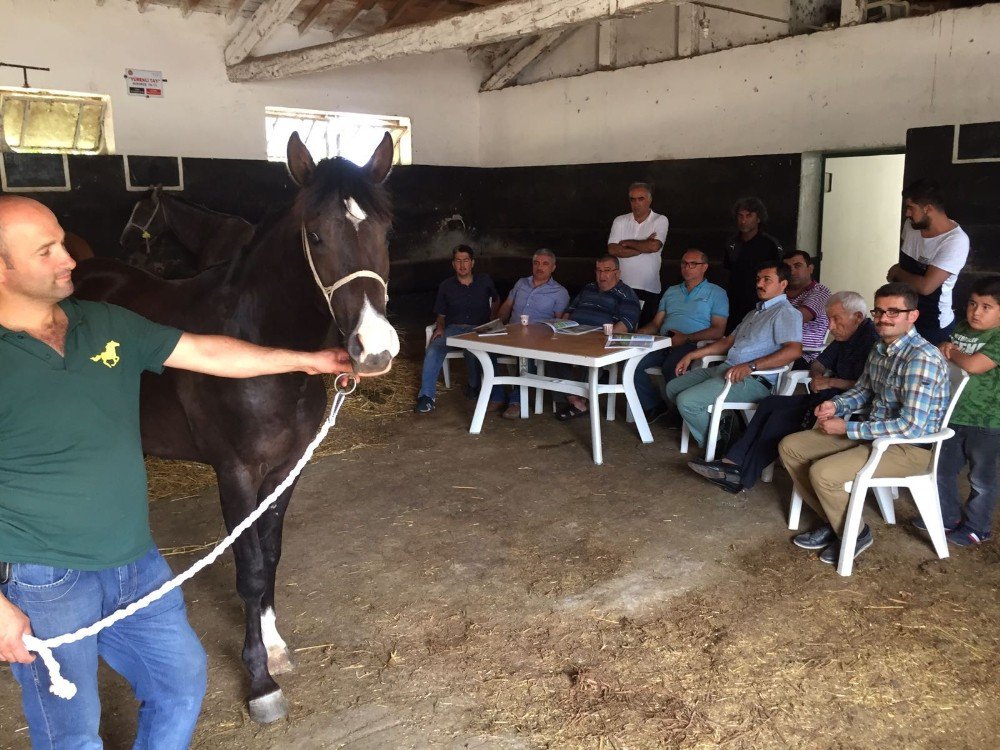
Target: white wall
{"type": "Point", "coordinates": [846, 89]}
{"type": "Point", "coordinates": [88, 48]}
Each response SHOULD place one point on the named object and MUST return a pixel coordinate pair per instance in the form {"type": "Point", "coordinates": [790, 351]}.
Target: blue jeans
{"type": "Point", "coordinates": [980, 447]}
{"type": "Point", "coordinates": [155, 650]}
{"type": "Point", "coordinates": [666, 360]}
{"type": "Point", "coordinates": [434, 359]}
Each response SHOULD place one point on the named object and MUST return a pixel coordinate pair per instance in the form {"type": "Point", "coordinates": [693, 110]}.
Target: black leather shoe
{"type": "Point", "coordinates": [819, 538]}
{"type": "Point", "coordinates": [730, 486]}
{"type": "Point", "coordinates": [715, 469]}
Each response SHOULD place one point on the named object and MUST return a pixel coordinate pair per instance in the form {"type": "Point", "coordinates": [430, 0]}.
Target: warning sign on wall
{"type": "Point", "coordinates": [144, 82]}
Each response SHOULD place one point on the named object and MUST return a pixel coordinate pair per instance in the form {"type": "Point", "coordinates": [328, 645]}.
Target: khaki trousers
{"type": "Point", "coordinates": [820, 464]}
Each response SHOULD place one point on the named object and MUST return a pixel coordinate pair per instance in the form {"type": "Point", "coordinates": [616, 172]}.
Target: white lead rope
{"type": "Point", "coordinates": [64, 688]}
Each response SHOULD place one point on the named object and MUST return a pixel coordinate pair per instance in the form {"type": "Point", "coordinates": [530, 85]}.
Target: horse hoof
{"type": "Point", "coordinates": [279, 661]}
{"type": "Point", "coordinates": [269, 708]}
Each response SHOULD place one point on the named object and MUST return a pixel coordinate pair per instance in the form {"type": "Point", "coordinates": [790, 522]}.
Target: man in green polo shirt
{"type": "Point", "coordinates": [75, 543]}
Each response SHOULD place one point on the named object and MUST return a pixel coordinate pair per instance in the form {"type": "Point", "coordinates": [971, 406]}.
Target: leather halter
{"type": "Point", "coordinates": [143, 228]}
{"type": "Point", "coordinates": [328, 290]}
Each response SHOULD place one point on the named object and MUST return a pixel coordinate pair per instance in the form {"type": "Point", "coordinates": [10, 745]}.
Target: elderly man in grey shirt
{"type": "Point", "coordinates": [769, 336]}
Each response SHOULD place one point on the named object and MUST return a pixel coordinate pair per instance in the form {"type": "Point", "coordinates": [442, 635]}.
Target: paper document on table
{"type": "Point", "coordinates": [629, 341]}
{"type": "Point", "coordinates": [579, 330]}
{"type": "Point", "coordinates": [493, 328]}
{"type": "Point", "coordinates": [557, 324]}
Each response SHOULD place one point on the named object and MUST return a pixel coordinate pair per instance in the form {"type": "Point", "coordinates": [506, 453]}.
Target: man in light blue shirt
{"type": "Point", "coordinates": [538, 296]}
{"type": "Point", "coordinates": [692, 311]}
{"type": "Point", "coordinates": [769, 336]}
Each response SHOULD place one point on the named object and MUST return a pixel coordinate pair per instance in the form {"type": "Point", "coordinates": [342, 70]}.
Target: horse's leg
{"type": "Point", "coordinates": [269, 527]}
{"type": "Point", "coordinates": [238, 493]}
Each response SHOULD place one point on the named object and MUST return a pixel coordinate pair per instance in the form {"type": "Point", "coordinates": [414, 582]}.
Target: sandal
{"type": "Point", "coordinates": [570, 412]}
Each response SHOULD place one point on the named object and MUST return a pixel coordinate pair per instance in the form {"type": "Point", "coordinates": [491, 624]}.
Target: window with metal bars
{"type": "Point", "coordinates": [327, 134]}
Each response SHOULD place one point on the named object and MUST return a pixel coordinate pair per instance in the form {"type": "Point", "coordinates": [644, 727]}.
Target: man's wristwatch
{"type": "Point", "coordinates": [753, 367]}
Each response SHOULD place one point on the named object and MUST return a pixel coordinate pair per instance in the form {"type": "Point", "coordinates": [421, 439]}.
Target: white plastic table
{"type": "Point", "coordinates": [537, 341]}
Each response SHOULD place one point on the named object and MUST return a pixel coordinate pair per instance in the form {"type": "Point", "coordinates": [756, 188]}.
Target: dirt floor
{"type": "Point", "coordinates": [501, 592]}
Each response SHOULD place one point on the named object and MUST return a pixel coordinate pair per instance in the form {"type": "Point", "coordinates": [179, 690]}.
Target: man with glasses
{"type": "Point", "coordinates": [933, 252]}
{"type": "Point", "coordinates": [637, 239]}
{"type": "Point", "coordinates": [692, 311]}
{"type": "Point", "coordinates": [905, 387]}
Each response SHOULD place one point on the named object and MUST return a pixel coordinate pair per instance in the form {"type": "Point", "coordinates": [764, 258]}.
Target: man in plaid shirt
{"type": "Point", "coordinates": [906, 388]}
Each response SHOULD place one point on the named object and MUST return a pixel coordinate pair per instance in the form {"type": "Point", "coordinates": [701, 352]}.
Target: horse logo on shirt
{"type": "Point", "coordinates": [109, 356]}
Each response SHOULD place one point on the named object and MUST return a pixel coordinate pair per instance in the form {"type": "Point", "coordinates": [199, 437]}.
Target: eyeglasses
{"type": "Point", "coordinates": [892, 313]}
{"type": "Point", "coordinates": [693, 263]}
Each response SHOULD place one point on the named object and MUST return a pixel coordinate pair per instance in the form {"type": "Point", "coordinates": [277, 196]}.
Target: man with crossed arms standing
{"type": "Point", "coordinates": [637, 239]}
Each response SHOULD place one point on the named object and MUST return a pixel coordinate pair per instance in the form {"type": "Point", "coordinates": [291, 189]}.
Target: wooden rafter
{"type": "Point", "coordinates": [142, 5]}
{"type": "Point", "coordinates": [534, 50]}
{"type": "Point", "coordinates": [361, 7]}
{"type": "Point", "coordinates": [264, 22]}
{"type": "Point", "coordinates": [187, 6]}
{"type": "Point", "coordinates": [235, 9]}
{"type": "Point", "coordinates": [397, 10]}
{"type": "Point", "coordinates": [493, 23]}
{"type": "Point", "coordinates": [312, 15]}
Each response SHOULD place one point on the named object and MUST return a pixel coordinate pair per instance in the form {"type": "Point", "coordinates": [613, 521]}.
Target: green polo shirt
{"type": "Point", "coordinates": [72, 478]}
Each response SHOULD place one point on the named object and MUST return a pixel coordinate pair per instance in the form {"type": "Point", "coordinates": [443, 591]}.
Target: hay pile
{"type": "Point", "coordinates": [375, 400]}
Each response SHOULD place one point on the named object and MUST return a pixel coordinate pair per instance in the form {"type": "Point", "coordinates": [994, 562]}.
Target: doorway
{"type": "Point", "coordinates": [862, 216]}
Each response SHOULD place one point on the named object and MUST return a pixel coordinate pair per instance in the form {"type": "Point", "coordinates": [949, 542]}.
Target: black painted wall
{"type": "Point", "coordinates": [507, 212]}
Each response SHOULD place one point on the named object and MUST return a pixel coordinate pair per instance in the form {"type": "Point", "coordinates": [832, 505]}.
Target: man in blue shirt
{"type": "Point", "coordinates": [605, 300]}
{"type": "Point", "coordinates": [464, 301]}
{"type": "Point", "coordinates": [769, 336]}
{"type": "Point", "coordinates": [538, 296]}
{"type": "Point", "coordinates": [692, 311]}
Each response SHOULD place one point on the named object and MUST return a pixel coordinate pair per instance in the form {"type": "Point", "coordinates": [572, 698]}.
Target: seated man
{"type": "Point", "coordinates": [692, 311]}
{"type": "Point", "coordinates": [809, 298]}
{"type": "Point", "coordinates": [538, 296]}
{"type": "Point", "coordinates": [833, 371]}
{"type": "Point", "coordinates": [464, 301]}
{"type": "Point", "coordinates": [905, 382]}
{"type": "Point", "coordinates": [769, 336]}
{"type": "Point", "coordinates": [606, 300]}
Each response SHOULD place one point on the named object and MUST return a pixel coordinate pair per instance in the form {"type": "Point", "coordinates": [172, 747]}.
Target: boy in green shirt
{"type": "Point", "coordinates": [975, 347]}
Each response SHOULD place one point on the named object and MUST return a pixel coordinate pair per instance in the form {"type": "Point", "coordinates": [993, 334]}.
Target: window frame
{"type": "Point", "coordinates": [105, 141]}
{"type": "Point", "coordinates": [400, 127]}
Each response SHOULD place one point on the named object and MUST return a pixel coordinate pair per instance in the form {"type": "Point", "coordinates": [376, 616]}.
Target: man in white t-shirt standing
{"type": "Point", "coordinates": [933, 252]}
{"type": "Point", "coordinates": [637, 239]}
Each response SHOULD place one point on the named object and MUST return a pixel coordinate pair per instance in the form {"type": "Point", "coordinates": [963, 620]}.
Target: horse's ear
{"type": "Point", "coordinates": [300, 161]}
{"type": "Point", "coordinates": [381, 162]}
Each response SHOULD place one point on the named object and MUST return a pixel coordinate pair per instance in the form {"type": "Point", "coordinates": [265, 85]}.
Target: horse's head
{"type": "Point", "coordinates": [344, 214]}
{"type": "Point", "coordinates": [150, 246]}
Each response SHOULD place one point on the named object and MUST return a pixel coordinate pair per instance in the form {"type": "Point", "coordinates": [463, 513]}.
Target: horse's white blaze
{"type": "Point", "coordinates": [354, 213]}
{"type": "Point", "coordinates": [376, 334]}
{"type": "Point", "coordinates": [269, 630]}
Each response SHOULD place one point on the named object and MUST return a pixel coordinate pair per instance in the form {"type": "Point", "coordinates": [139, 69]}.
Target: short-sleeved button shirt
{"type": "Point", "coordinates": [691, 311]}
{"type": "Point", "coordinates": [814, 297]}
{"type": "Point", "coordinates": [72, 478]}
{"type": "Point", "coordinates": [764, 330]}
{"type": "Point", "coordinates": [538, 302]}
{"type": "Point", "coordinates": [466, 304]}
{"type": "Point", "coordinates": [592, 307]}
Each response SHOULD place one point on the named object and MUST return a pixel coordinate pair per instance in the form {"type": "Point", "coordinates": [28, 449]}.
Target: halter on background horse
{"type": "Point", "coordinates": [276, 293]}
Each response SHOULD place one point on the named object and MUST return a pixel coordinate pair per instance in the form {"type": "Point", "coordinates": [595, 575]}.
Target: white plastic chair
{"type": "Point", "coordinates": [923, 486]}
{"type": "Point", "coordinates": [747, 408]}
{"type": "Point", "coordinates": [445, 367]}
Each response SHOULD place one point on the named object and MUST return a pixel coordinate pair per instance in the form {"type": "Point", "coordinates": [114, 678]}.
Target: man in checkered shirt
{"type": "Point", "coordinates": [905, 386]}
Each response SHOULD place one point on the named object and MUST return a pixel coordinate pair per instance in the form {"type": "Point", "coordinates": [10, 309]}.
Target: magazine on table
{"type": "Point", "coordinates": [494, 328]}
{"type": "Point", "coordinates": [568, 326]}
{"type": "Point", "coordinates": [629, 341]}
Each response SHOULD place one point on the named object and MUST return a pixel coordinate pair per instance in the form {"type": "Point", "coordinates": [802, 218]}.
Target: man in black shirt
{"type": "Point", "coordinates": [464, 301]}
{"type": "Point", "coordinates": [854, 335]}
{"type": "Point", "coordinates": [748, 250]}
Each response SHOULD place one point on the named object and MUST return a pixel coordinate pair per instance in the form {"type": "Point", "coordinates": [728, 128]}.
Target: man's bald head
{"type": "Point", "coordinates": [15, 209]}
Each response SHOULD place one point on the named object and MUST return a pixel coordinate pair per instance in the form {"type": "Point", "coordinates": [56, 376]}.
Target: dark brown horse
{"type": "Point", "coordinates": [277, 293]}
{"type": "Point", "coordinates": [174, 238]}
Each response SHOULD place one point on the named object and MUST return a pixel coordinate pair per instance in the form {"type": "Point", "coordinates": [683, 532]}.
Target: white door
{"type": "Point", "coordinates": [862, 214]}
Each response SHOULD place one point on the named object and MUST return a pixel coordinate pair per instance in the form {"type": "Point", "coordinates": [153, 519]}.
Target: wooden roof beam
{"type": "Point", "coordinates": [312, 15]}
{"type": "Point", "coordinates": [142, 5]}
{"type": "Point", "coordinates": [511, 68]}
{"type": "Point", "coordinates": [360, 8]}
{"type": "Point", "coordinates": [187, 6]}
{"type": "Point", "coordinates": [264, 22]}
{"type": "Point", "coordinates": [495, 23]}
{"type": "Point", "coordinates": [397, 10]}
{"type": "Point", "coordinates": [235, 9]}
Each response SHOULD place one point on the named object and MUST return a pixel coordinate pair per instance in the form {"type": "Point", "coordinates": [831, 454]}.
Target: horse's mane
{"type": "Point", "coordinates": [339, 179]}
